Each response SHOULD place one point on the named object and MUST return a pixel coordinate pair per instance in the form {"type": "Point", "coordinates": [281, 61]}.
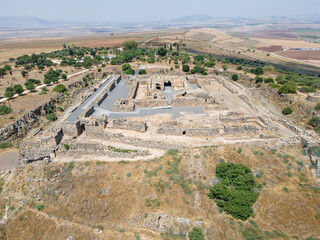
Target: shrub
{"type": "Point", "coordinates": [268, 80]}
{"type": "Point", "coordinates": [239, 68]}
{"type": "Point", "coordinates": [39, 206]}
{"type": "Point", "coordinates": [44, 89]}
{"type": "Point", "coordinates": [307, 89]}
{"type": "Point", "coordinates": [317, 107]}
{"type": "Point", "coordinates": [64, 76]}
{"type": "Point", "coordinates": [287, 88]}
{"type": "Point", "coordinates": [5, 110]}
{"type": "Point", "coordinates": [274, 85]}
{"type": "Point", "coordinates": [259, 79]}
{"type": "Point", "coordinates": [235, 77]}
{"type": "Point", "coordinates": [4, 145]}
{"type": "Point", "coordinates": [9, 93]}
{"type": "Point", "coordinates": [198, 69]}
{"type": "Point", "coordinates": [60, 88]}
{"type": "Point", "coordinates": [185, 68]}
{"type": "Point", "coordinates": [287, 111]}
{"type": "Point", "coordinates": [224, 67]}
{"type": "Point", "coordinates": [151, 60]}
{"type": "Point", "coordinates": [210, 64]}
{"type": "Point", "coordinates": [18, 89]}
{"type": "Point", "coordinates": [51, 117]}
{"type": "Point", "coordinates": [143, 72]}
{"type": "Point", "coordinates": [66, 146]}
{"type": "Point", "coordinates": [258, 71]}
{"type": "Point", "coordinates": [47, 81]}
{"type": "Point", "coordinates": [235, 192]}
{"type": "Point", "coordinates": [30, 87]}
{"type": "Point", "coordinates": [196, 234]}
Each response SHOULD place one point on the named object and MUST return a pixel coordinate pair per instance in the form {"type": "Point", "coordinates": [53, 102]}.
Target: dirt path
{"type": "Point", "coordinates": [9, 159]}
{"type": "Point", "coordinates": [152, 154]}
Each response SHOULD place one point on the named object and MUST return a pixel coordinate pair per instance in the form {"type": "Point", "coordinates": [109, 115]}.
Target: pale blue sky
{"type": "Point", "coordinates": [94, 11]}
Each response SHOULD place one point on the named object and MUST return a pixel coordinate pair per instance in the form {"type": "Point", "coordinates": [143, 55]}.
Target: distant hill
{"type": "Point", "coordinates": [33, 22]}
{"type": "Point", "coordinates": [193, 18]}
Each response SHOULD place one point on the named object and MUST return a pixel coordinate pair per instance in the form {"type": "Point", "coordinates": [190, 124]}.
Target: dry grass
{"type": "Point", "coordinates": [77, 202]}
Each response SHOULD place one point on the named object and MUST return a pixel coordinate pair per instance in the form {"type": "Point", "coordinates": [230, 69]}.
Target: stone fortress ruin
{"type": "Point", "coordinates": [160, 111]}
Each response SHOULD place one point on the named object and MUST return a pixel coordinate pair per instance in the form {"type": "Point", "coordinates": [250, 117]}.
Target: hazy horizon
{"type": "Point", "coordinates": [98, 11]}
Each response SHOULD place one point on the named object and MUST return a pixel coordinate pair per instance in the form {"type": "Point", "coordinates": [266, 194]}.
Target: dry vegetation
{"type": "Point", "coordinates": [118, 200]}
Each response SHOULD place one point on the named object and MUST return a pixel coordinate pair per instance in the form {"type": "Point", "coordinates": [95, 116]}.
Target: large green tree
{"type": "Point", "coordinates": [130, 44]}
{"type": "Point", "coordinates": [162, 51]}
{"type": "Point", "coordinates": [236, 191]}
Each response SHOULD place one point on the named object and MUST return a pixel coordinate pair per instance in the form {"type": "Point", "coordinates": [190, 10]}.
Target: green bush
{"type": "Point", "coordinates": [268, 80]}
{"type": "Point", "coordinates": [198, 69]}
{"type": "Point", "coordinates": [210, 64]}
{"type": "Point", "coordinates": [235, 77]}
{"type": "Point", "coordinates": [5, 110]}
{"type": "Point", "coordinates": [196, 234]}
{"type": "Point", "coordinates": [64, 76]}
{"type": "Point", "coordinates": [287, 111]}
{"type": "Point", "coordinates": [185, 68]}
{"type": "Point", "coordinates": [224, 67]}
{"type": "Point", "coordinates": [30, 87]}
{"type": "Point", "coordinates": [60, 88]}
{"type": "Point", "coordinates": [51, 117]}
{"type": "Point", "coordinates": [4, 145]}
{"type": "Point", "coordinates": [235, 192]}
{"type": "Point", "coordinates": [126, 68]}
{"type": "Point", "coordinates": [9, 93]}
{"type": "Point", "coordinates": [66, 146]}
{"type": "Point", "coordinates": [18, 89]}
{"type": "Point", "coordinates": [143, 72]}
{"type": "Point", "coordinates": [287, 88]}
{"type": "Point", "coordinates": [307, 89]}
{"type": "Point", "coordinates": [259, 79]}
{"type": "Point", "coordinates": [39, 206]}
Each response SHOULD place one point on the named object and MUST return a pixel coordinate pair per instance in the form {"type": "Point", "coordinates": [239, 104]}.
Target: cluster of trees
{"type": "Point", "coordinates": [5, 69]}
{"type": "Point", "coordinates": [131, 51]}
{"type": "Point", "coordinates": [126, 68]}
{"type": "Point", "coordinates": [52, 76]}
{"type": "Point", "coordinates": [69, 55]}
{"type": "Point", "coordinates": [29, 62]}
{"type": "Point", "coordinates": [236, 191]}
{"type": "Point", "coordinates": [11, 91]}
{"type": "Point", "coordinates": [5, 110]}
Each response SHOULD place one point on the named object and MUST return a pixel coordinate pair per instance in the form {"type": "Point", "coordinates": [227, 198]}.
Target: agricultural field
{"type": "Point", "coordinates": [201, 133]}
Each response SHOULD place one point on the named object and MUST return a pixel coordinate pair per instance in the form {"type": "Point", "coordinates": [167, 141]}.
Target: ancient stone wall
{"type": "Point", "coordinates": [72, 129]}
{"type": "Point", "coordinates": [24, 124]}
{"type": "Point", "coordinates": [82, 149]}
{"type": "Point", "coordinates": [241, 129]}
{"type": "Point", "coordinates": [150, 103]}
{"type": "Point", "coordinates": [126, 124]}
{"type": "Point", "coordinates": [133, 91]}
{"type": "Point", "coordinates": [39, 148]}
{"type": "Point", "coordinates": [188, 102]}
{"type": "Point", "coordinates": [315, 99]}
